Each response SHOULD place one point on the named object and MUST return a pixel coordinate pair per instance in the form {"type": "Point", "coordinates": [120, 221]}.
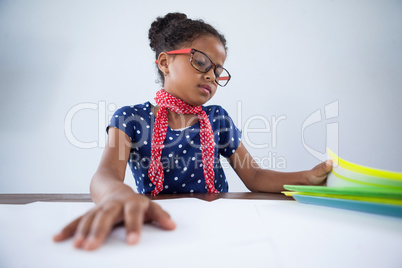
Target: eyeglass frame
{"type": "Point", "coordinates": [191, 51]}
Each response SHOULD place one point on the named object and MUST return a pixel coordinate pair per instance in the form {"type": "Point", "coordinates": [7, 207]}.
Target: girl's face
{"type": "Point", "coordinates": [188, 84]}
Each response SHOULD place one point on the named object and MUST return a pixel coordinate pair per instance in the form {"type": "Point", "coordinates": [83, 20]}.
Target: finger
{"type": "Point", "coordinates": [101, 226]}
{"type": "Point", "coordinates": [83, 228]}
{"type": "Point", "coordinates": [160, 217]}
{"type": "Point", "coordinates": [67, 231]}
{"type": "Point", "coordinates": [324, 167]}
{"type": "Point", "coordinates": [329, 163]}
{"type": "Point", "coordinates": [134, 219]}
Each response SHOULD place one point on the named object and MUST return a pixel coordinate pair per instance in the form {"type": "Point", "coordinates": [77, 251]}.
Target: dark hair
{"type": "Point", "coordinates": [175, 30]}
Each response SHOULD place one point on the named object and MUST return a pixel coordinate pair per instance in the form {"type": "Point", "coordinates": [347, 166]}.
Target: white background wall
{"type": "Point", "coordinates": [287, 58]}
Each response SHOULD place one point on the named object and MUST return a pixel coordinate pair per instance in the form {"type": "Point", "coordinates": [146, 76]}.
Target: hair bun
{"type": "Point", "coordinates": [160, 24]}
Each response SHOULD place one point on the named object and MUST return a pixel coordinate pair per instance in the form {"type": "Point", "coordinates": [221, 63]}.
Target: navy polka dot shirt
{"type": "Point", "coordinates": [181, 155]}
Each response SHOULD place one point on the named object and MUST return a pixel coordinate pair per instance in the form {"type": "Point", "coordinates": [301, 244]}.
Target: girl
{"type": "Point", "coordinates": [174, 146]}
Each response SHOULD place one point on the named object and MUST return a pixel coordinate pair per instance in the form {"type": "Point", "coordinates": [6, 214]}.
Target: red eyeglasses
{"type": "Point", "coordinates": [202, 63]}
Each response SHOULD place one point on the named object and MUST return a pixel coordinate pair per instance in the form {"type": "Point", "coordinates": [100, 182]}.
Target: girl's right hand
{"type": "Point", "coordinates": [91, 229]}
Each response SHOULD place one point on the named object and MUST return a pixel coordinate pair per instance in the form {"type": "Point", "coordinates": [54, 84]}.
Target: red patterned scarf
{"type": "Point", "coordinates": [168, 102]}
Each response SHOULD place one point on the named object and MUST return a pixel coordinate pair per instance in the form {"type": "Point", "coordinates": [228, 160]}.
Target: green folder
{"type": "Point", "coordinates": [367, 199]}
{"type": "Point", "coordinates": [355, 191]}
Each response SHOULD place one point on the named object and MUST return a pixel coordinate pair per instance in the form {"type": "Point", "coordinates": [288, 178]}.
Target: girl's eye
{"type": "Point", "coordinates": [200, 63]}
{"type": "Point", "coordinates": [218, 72]}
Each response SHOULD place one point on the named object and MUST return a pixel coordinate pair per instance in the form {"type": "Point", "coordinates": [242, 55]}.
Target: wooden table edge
{"type": "Point", "coordinates": [30, 198]}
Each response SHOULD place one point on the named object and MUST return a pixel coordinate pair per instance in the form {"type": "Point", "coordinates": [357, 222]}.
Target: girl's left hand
{"type": "Point", "coordinates": [318, 174]}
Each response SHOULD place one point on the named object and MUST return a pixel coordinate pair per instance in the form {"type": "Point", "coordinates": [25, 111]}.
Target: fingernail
{"type": "Point", "coordinates": [132, 238]}
{"type": "Point", "coordinates": [90, 243]}
{"type": "Point", "coordinates": [56, 237]}
{"type": "Point", "coordinates": [172, 224]}
{"type": "Point", "coordinates": [78, 240]}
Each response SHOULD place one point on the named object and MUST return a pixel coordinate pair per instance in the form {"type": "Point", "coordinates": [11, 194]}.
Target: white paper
{"type": "Point", "coordinates": [206, 235]}
{"type": "Point", "coordinates": [222, 233]}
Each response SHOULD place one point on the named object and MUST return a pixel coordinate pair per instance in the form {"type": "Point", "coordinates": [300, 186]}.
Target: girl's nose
{"type": "Point", "coordinates": [210, 75]}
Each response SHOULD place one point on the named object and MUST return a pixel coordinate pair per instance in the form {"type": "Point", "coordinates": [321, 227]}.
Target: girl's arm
{"type": "Point", "coordinates": [257, 179]}
{"type": "Point", "coordinates": [115, 201]}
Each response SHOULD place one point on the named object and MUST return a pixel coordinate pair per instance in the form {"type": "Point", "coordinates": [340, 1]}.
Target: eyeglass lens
{"type": "Point", "coordinates": [202, 63]}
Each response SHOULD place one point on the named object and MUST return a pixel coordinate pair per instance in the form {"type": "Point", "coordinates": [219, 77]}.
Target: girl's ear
{"type": "Point", "coordinates": [163, 63]}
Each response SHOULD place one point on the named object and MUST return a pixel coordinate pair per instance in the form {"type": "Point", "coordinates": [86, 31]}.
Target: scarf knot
{"type": "Point", "coordinates": [168, 102]}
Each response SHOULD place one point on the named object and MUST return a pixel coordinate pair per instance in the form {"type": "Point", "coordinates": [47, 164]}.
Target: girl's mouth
{"type": "Point", "coordinates": [206, 88]}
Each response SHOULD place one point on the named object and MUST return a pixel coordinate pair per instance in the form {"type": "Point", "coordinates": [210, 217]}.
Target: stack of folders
{"type": "Point", "coordinates": [354, 187]}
